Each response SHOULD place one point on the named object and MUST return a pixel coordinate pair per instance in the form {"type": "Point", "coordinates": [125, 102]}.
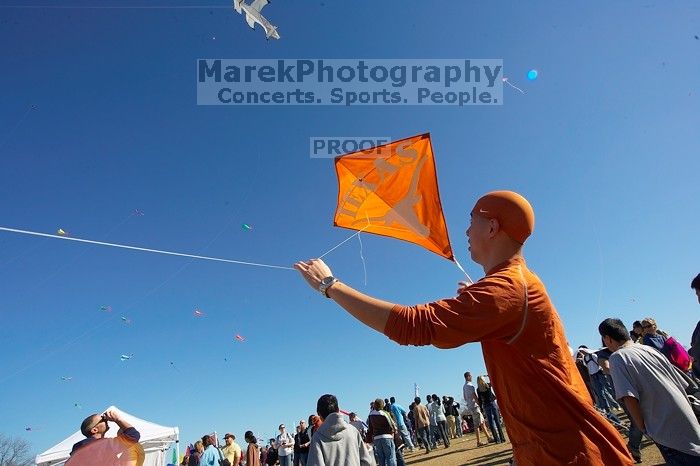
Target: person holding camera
{"type": "Point", "coordinates": [122, 450]}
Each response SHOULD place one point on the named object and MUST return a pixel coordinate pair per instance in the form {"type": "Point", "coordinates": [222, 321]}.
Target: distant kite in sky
{"type": "Point", "coordinates": [532, 75]}
{"type": "Point", "coordinates": [198, 313]}
{"type": "Point", "coordinates": [106, 308]}
{"type": "Point", "coordinates": [61, 232]}
{"type": "Point", "coordinates": [126, 320]}
{"type": "Point", "coordinates": [77, 405]}
{"type": "Point", "coordinates": [66, 379]}
{"type": "Point", "coordinates": [137, 213]}
{"type": "Point", "coordinates": [253, 15]}
{"type": "Point", "coordinates": [126, 357]}
{"type": "Point", "coordinates": [240, 338]}
{"type": "Point", "coordinates": [247, 227]}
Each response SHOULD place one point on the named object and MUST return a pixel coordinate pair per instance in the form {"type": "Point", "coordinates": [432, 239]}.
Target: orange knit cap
{"type": "Point", "coordinates": [514, 214]}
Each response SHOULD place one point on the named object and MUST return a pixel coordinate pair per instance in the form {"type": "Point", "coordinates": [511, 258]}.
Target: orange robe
{"type": "Point", "coordinates": [547, 410]}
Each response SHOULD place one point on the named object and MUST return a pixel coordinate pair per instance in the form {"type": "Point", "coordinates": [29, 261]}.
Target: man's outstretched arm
{"type": "Point", "coordinates": [368, 310]}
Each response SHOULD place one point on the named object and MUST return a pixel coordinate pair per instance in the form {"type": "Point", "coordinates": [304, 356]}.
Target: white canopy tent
{"type": "Point", "coordinates": [155, 439]}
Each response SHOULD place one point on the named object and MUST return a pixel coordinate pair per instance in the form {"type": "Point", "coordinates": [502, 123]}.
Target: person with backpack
{"type": "Point", "coordinates": [654, 393]}
{"type": "Point", "coordinates": [285, 446]}
{"type": "Point", "coordinates": [669, 346]}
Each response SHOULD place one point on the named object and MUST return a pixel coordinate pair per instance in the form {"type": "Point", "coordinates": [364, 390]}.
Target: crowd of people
{"type": "Point", "coordinates": [650, 376]}
{"type": "Point", "coordinates": [381, 438]}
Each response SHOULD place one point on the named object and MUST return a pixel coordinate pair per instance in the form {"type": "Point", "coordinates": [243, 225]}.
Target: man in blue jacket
{"type": "Point", "coordinates": [399, 412]}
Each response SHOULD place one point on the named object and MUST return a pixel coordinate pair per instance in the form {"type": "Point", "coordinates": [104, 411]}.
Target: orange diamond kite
{"type": "Point", "coordinates": [392, 190]}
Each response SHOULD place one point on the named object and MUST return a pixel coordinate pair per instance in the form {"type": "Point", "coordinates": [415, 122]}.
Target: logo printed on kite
{"type": "Point", "coordinates": [402, 213]}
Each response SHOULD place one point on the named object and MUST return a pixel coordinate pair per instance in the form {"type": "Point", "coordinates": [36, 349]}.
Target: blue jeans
{"type": "Point", "coordinates": [300, 459]}
{"type": "Point", "coordinates": [406, 436]}
{"type": "Point", "coordinates": [678, 458]}
{"type": "Point", "coordinates": [422, 434]}
{"type": "Point", "coordinates": [442, 431]}
{"type": "Point", "coordinates": [286, 460]}
{"type": "Point", "coordinates": [434, 436]}
{"type": "Point", "coordinates": [384, 449]}
{"type": "Point", "coordinates": [493, 418]}
{"type": "Point", "coordinates": [634, 436]}
{"type": "Point", "coordinates": [399, 458]}
{"type": "Point", "coordinates": [599, 388]}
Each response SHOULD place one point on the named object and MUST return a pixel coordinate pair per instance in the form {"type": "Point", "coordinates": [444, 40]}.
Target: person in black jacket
{"type": "Point", "coordinates": [301, 445]}
{"type": "Point", "coordinates": [272, 455]}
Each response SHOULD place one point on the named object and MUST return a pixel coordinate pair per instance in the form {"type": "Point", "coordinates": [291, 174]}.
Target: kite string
{"type": "Point", "coordinates": [459, 266]}
{"type": "Point", "coordinates": [362, 257]}
{"type": "Point", "coordinates": [136, 248]}
{"type": "Point", "coordinates": [505, 80]}
{"type": "Point", "coordinates": [341, 243]}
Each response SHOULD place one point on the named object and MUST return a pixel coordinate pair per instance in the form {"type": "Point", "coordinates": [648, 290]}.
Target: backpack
{"type": "Point", "coordinates": [223, 461]}
{"type": "Point", "coordinates": [676, 354]}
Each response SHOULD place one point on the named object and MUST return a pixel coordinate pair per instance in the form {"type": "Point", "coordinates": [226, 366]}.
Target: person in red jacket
{"type": "Point", "coordinates": [544, 402]}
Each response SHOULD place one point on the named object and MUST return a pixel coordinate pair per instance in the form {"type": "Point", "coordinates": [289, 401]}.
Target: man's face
{"type": "Point", "coordinates": [229, 441]}
{"type": "Point", "coordinates": [637, 329]}
{"type": "Point", "coordinates": [302, 424]}
{"type": "Point", "coordinates": [100, 425]}
{"type": "Point", "coordinates": [468, 376]}
{"type": "Point", "coordinates": [477, 236]}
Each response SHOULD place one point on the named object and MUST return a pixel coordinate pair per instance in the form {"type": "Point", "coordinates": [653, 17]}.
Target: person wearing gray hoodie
{"type": "Point", "coordinates": [336, 443]}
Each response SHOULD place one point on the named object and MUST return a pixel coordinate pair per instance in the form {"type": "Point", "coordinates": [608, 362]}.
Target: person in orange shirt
{"type": "Point", "coordinates": [544, 402]}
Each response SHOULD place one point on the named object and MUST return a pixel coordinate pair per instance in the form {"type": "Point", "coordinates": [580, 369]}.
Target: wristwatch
{"type": "Point", "coordinates": [325, 284]}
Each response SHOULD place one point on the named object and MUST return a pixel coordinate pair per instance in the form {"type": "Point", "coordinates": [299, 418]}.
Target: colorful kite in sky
{"type": "Point", "coordinates": [247, 227]}
{"type": "Point", "coordinates": [62, 232]}
{"type": "Point", "coordinates": [126, 357]}
{"type": "Point", "coordinates": [392, 190]}
{"type": "Point", "coordinates": [239, 338]}
{"type": "Point", "coordinates": [198, 313]}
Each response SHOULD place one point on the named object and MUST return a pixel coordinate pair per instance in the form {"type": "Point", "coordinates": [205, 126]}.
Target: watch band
{"type": "Point", "coordinates": [326, 283]}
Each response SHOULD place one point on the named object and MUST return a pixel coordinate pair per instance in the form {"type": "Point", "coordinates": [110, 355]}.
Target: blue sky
{"type": "Point", "coordinates": [604, 145]}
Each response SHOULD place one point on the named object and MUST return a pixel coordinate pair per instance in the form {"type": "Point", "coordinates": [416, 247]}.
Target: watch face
{"type": "Point", "coordinates": [327, 281]}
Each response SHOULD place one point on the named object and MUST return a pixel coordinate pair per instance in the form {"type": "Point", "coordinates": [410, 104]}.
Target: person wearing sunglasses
{"type": "Point", "coordinates": [124, 449]}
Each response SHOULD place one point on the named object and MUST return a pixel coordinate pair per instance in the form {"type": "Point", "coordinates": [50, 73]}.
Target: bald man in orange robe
{"type": "Point", "coordinates": [549, 414]}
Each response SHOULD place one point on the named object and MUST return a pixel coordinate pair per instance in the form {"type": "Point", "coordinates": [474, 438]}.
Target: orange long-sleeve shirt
{"type": "Point", "coordinates": [545, 405]}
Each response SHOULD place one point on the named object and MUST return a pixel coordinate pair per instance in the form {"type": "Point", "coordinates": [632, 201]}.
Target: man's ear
{"type": "Point", "coordinates": [494, 227]}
